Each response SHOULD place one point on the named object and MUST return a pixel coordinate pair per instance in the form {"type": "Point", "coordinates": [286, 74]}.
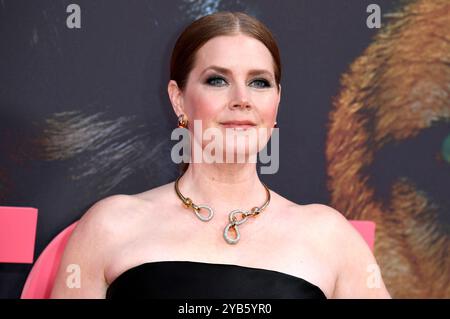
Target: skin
{"type": "Point", "coordinates": [123, 231]}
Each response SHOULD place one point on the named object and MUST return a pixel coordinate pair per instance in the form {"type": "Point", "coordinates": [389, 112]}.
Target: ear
{"type": "Point", "coordinates": [279, 93]}
{"type": "Point", "coordinates": [176, 97]}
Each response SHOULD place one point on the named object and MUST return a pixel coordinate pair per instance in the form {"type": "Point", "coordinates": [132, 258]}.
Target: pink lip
{"type": "Point", "coordinates": [239, 124]}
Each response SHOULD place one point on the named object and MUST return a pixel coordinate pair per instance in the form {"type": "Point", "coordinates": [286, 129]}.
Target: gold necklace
{"type": "Point", "coordinates": [233, 221]}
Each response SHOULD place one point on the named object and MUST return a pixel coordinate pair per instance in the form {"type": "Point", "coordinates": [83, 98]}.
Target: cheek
{"type": "Point", "coordinates": [268, 111]}
{"type": "Point", "coordinates": [202, 106]}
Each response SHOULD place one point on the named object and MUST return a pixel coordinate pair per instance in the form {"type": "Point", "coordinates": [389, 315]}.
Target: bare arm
{"type": "Point", "coordinates": [81, 272]}
{"type": "Point", "coordinates": [358, 274]}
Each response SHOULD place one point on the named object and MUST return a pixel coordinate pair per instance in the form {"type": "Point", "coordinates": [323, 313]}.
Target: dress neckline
{"type": "Point", "coordinates": [150, 263]}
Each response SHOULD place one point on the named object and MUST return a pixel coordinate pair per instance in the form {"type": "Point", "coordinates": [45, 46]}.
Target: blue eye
{"type": "Point", "coordinates": [264, 83]}
{"type": "Point", "coordinates": [214, 80]}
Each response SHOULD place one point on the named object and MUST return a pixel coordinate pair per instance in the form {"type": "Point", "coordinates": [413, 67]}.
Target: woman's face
{"type": "Point", "coordinates": [232, 80]}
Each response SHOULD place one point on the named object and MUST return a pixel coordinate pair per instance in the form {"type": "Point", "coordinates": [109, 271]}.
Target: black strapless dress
{"type": "Point", "coordinates": [201, 280]}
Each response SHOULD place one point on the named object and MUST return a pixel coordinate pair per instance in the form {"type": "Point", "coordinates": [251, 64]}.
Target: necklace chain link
{"type": "Point", "coordinates": [234, 222]}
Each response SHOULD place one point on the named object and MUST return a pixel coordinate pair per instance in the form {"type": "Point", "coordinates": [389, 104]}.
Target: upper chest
{"type": "Point", "coordinates": [283, 244]}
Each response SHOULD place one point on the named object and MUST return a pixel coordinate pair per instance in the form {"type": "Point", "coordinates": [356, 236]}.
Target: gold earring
{"type": "Point", "coordinates": [182, 122]}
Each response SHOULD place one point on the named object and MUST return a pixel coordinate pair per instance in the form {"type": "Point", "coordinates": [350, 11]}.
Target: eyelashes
{"type": "Point", "coordinates": [220, 81]}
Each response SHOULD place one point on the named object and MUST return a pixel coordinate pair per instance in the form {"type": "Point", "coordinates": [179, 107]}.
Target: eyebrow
{"type": "Point", "coordinates": [228, 72]}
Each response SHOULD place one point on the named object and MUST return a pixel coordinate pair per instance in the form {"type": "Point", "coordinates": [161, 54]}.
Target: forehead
{"type": "Point", "coordinates": [234, 52]}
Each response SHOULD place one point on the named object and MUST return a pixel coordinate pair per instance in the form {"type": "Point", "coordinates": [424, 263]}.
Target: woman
{"type": "Point", "coordinates": [179, 240]}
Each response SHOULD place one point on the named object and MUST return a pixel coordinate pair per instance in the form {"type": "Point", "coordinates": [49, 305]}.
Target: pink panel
{"type": "Point", "coordinates": [39, 282]}
{"type": "Point", "coordinates": [366, 228]}
{"type": "Point", "coordinates": [17, 234]}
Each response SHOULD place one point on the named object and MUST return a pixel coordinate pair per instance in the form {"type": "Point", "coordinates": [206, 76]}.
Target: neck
{"type": "Point", "coordinates": [224, 187]}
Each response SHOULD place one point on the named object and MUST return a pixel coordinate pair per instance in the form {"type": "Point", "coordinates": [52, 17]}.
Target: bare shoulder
{"type": "Point", "coordinates": [110, 214]}
{"type": "Point", "coordinates": [89, 247]}
{"type": "Point", "coordinates": [328, 219]}
{"type": "Point", "coordinates": [331, 223]}
{"type": "Point", "coordinates": [332, 229]}
{"type": "Point", "coordinates": [358, 273]}
{"type": "Point", "coordinates": [321, 217]}
{"type": "Point", "coordinates": [337, 231]}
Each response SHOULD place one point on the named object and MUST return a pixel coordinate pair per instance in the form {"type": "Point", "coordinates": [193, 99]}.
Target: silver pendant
{"type": "Point", "coordinates": [234, 222]}
{"type": "Point", "coordinates": [228, 239]}
{"type": "Point", "coordinates": [200, 216]}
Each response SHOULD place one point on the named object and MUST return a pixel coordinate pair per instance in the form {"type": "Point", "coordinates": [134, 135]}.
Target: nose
{"type": "Point", "coordinates": [240, 98]}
